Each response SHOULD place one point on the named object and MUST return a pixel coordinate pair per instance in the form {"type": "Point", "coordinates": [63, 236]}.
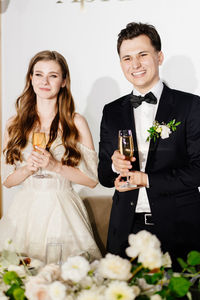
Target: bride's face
{"type": "Point", "coordinates": [47, 79]}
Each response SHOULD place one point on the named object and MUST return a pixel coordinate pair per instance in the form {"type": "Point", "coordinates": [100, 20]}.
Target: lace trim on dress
{"type": "Point", "coordinates": [88, 163]}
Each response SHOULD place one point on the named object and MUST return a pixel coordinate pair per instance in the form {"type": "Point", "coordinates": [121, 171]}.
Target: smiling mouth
{"type": "Point", "coordinates": [135, 74]}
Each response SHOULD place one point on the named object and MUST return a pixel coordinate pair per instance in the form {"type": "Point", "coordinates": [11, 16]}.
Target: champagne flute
{"type": "Point", "coordinates": [126, 147]}
{"type": "Point", "coordinates": [39, 139]}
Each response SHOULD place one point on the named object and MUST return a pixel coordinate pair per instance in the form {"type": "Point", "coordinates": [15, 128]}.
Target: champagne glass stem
{"type": "Point", "coordinates": [126, 147]}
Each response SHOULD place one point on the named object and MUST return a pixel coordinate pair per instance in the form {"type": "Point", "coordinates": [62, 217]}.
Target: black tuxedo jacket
{"type": "Point", "coordinates": [173, 168]}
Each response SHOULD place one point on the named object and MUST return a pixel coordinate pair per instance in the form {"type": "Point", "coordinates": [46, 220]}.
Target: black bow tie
{"type": "Point", "coordinates": [137, 100]}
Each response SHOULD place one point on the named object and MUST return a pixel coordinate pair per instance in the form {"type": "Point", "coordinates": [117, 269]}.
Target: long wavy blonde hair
{"type": "Point", "coordinates": [27, 118]}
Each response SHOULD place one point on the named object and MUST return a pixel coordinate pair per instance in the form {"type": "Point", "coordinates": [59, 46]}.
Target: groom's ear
{"type": "Point", "coordinates": [160, 57]}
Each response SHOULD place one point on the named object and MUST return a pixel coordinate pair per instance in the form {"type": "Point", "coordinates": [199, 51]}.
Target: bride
{"type": "Point", "coordinates": [46, 207]}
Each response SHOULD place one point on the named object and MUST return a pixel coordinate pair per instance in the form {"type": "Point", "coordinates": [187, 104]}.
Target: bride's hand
{"type": "Point", "coordinates": [30, 165]}
{"type": "Point", "coordinates": [43, 159]}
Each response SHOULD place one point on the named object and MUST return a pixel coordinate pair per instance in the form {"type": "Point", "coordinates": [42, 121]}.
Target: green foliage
{"type": "Point", "coordinates": [18, 294]}
{"type": "Point", "coordinates": [182, 263]}
{"type": "Point", "coordinates": [191, 267]}
{"type": "Point", "coordinates": [153, 133]}
{"type": "Point", "coordinates": [153, 278]}
{"type": "Point", "coordinates": [179, 286]}
{"type": "Point", "coordinates": [172, 286]}
{"type": "Point", "coordinates": [11, 277]}
{"type": "Point", "coordinates": [193, 258]}
{"type": "Point", "coordinates": [16, 290]}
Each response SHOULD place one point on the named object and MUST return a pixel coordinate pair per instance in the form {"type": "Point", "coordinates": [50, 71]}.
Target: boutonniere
{"type": "Point", "coordinates": [162, 130]}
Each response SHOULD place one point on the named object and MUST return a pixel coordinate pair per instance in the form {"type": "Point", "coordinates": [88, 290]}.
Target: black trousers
{"type": "Point", "coordinates": [144, 221]}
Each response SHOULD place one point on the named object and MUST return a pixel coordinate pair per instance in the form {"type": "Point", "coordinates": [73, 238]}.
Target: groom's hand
{"type": "Point", "coordinates": [120, 164]}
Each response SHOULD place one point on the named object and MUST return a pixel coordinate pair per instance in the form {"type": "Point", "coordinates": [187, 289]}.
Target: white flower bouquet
{"type": "Point", "coordinates": [147, 275]}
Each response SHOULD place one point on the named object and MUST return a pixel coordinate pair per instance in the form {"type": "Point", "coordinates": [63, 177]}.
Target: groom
{"type": "Point", "coordinates": [167, 170]}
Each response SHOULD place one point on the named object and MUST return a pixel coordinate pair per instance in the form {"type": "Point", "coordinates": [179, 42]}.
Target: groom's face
{"type": "Point", "coordinates": [140, 62]}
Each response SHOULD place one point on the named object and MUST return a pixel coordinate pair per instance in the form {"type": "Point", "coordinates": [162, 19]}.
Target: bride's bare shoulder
{"type": "Point", "coordinates": [79, 120]}
{"type": "Point", "coordinates": [85, 136]}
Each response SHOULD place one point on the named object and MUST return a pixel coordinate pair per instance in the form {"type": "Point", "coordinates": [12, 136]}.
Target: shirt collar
{"type": "Point", "coordinates": [156, 90]}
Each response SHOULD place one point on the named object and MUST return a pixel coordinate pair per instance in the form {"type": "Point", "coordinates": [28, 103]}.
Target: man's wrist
{"type": "Point", "coordinates": [114, 170]}
{"type": "Point", "coordinates": [147, 181]}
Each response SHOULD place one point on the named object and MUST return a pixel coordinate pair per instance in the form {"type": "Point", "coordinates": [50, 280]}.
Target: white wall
{"type": "Point", "coordinates": [87, 38]}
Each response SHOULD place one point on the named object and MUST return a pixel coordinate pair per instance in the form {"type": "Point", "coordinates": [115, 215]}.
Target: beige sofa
{"type": "Point", "coordinates": [99, 213]}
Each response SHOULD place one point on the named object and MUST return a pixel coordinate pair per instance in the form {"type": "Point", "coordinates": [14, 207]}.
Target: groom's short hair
{"type": "Point", "coordinates": [133, 30]}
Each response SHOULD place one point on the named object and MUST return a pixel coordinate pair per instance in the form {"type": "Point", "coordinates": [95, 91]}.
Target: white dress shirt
{"type": "Point", "coordinates": [144, 117]}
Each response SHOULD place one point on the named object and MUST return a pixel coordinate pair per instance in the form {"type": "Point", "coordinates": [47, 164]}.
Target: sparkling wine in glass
{"type": "Point", "coordinates": [126, 147]}
{"type": "Point", "coordinates": [39, 139]}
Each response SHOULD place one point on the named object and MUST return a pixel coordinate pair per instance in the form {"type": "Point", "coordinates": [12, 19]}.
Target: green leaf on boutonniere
{"type": "Point", "coordinates": [173, 124]}
{"type": "Point", "coordinates": [153, 133]}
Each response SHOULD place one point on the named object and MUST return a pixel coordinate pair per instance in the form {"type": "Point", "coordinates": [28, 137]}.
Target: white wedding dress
{"type": "Point", "coordinates": [49, 209]}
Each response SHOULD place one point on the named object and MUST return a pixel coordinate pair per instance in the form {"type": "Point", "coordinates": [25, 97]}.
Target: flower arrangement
{"type": "Point", "coordinates": [147, 275]}
{"type": "Point", "coordinates": [162, 130]}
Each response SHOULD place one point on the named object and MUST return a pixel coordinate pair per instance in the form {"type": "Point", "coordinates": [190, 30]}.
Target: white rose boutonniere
{"type": "Point", "coordinates": [162, 130]}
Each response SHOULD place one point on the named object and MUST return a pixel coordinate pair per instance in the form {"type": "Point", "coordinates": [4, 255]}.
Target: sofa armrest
{"type": "Point", "coordinates": [99, 208]}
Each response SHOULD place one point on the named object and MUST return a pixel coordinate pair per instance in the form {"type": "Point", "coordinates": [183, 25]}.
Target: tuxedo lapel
{"type": "Point", "coordinates": [128, 122]}
{"type": "Point", "coordinates": [163, 115]}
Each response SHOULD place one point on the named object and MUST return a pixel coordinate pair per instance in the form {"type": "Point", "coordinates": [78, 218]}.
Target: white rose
{"type": "Point", "coordinates": [135, 247]}
{"type": "Point", "coordinates": [114, 267]}
{"type": "Point", "coordinates": [119, 290]}
{"type": "Point", "coordinates": [141, 242]}
{"type": "Point", "coordinates": [165, 132]}
{"type": "Point", "coordinates": [151, 258]}
{"type": "Point", "coordinates": [57, 291]}
{"type": "Point", "coordinates": [75, 268]}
